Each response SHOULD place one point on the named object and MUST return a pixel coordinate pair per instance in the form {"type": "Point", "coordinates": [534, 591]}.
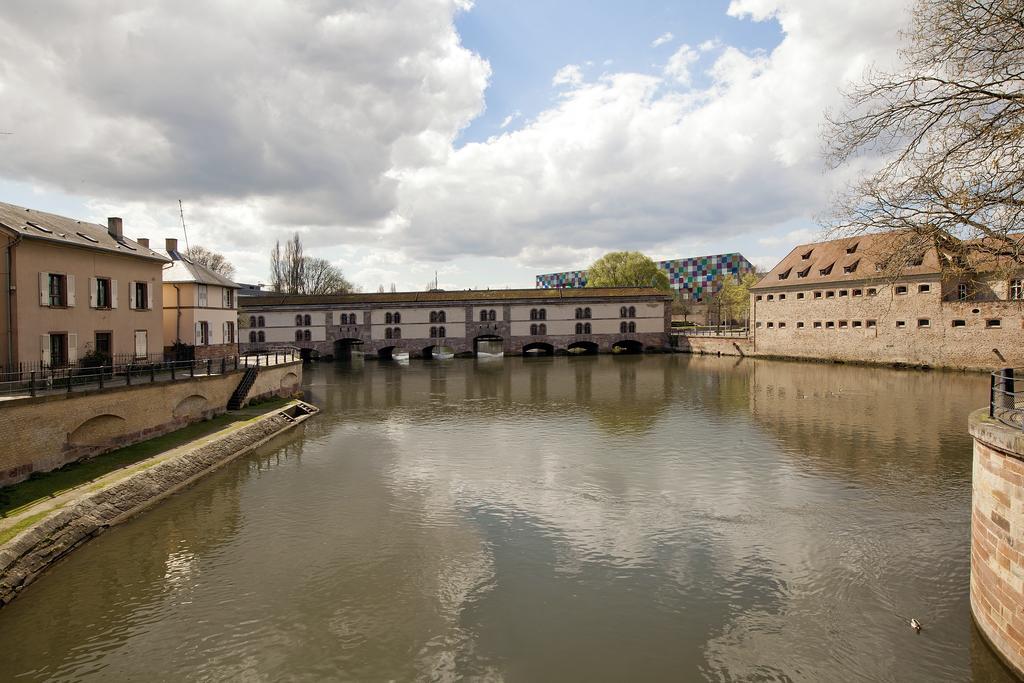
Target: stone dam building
{"type": "Point", "coordinates": [513, 321]}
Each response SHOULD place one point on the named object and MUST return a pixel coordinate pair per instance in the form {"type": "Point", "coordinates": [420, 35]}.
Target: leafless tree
{"type": "Point", "coordinates": [949, 128]}
{"type": "Point", "coordinates": [212, 260]}
{"type": "Point", "coordinates": [320, 276]}
{"type": "Point", "coordinates": [293, 272]}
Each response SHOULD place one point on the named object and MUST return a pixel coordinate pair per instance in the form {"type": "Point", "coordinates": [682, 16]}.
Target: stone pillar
{"type": "Point", "coordinates": [997, 537]}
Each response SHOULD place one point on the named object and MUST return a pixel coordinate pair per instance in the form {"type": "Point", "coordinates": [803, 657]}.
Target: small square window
{"type": "Point", "coordinates": [799, 326]}
{"type": "Point", "coordinates": [830, 295]}
{"type": "Point", "coordinates": [901, 289]}
{"type": "Point", "coordinates": [872, 291]}
{"type": "Point", "coordinates": [843, 292]}
{"type": "Point", "coordinates": [817, 295]}
{"type": "Point", "coordinates": [857, 323]}
{"type": "Point", "coordinates": [817, 324]}
{"type": "Point", "coordinates": [857, 292]}
{"type": "Point", "coordinates": [993, 322]}
{"type": "Point", "coordinates": [771, 324]}
{"type": "Point", "coordinates": [959, 323]}
{"type": "Point", "coordinates": [843, 323]}
{"type": "Point", "coordinates": [901, 324]}
{"type": "Point", "coordinates": [871, 323]}
{"type": "Point", "coordinates": [758, 324]}
{"type": "Point", "coordinates": [771, 297]}
{"type": "Point", "coordinates": [782, 297]}
{"type": "Point", "coordinates": [757, 298]}
{"type": "Point", "coordinates": [782, 325]}
{"type": "Point", "coordinates": [799, 295]}
{"type": "Point", "coordinates": [830, 324]}
{"type": "Point", "coordinates": [924, 322]}
{"type": "Point", "coordinates": [924, 289]}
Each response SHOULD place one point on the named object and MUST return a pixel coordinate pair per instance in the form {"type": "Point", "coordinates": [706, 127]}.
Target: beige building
{"type": "Point", "coordinates": [200, 309]}
{"type": "Point", "coordinates": [74, 288]}
{"type": "Point", "coordinates": [840, 300]}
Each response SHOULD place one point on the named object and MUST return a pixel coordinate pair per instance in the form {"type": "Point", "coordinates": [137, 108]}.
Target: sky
{"type": "Point", "coordinates": [483, 141]}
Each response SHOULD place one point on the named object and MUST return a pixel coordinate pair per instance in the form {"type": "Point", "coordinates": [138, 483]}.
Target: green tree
{"type": "Point", "coordinates": [735, 296]}
{"type": "Point", "coordinates": [626, 269]}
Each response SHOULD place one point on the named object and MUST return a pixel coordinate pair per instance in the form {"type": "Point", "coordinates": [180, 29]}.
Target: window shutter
{"type": "Point", "coordinates": [44, 294]}
{"type": "Point", "coordinates": [113, 293]}
{"type": "Point", "coordinates": [131, 295]}
{"type": "Point", "coordinates": [223, 297]}
{"type": "Point", "coordinates": [149, 295]}
{"type": "Point", "coordinates": [141, 343]}
{"type": "Point", "coordinates": [199, 334]}
{"type": "Point", "coordinates": [71, 289]}
{"type": "Point", "coordinates": [224, 332]}
{"type": "Point", "coordinates": [72, 348]}
{"type": "Point", "coordinates": [44, 348]}
{"type": "Point", "coordinates": [93, 294]}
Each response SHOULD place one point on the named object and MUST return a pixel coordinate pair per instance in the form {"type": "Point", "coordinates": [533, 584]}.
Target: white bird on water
{"type": "Point", "coordinates": [916, 625]}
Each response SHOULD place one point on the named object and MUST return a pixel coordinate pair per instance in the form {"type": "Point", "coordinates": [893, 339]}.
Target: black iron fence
{"type": "Point", "coordinates": [710, 331]}
{"type": "Point", "coordinates": [1006, 397]}
{"type": "Point", "coordinates": [40, 379]}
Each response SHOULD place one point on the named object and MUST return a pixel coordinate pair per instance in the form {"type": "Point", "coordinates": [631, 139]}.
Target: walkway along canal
{"type": "Point", "coordinates": [666, 517]}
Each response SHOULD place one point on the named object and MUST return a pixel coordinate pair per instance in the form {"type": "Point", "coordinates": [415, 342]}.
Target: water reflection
{"type": "Point", "coordinates": [590, 518]}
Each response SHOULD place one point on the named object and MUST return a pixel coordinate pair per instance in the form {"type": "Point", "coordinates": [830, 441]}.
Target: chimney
{"type": "Point", "coordinates": [114, 227]}
{"type": "Point", "coordinates": [143, 242]}
{"type": "Point", "coordinates": [171, 244]}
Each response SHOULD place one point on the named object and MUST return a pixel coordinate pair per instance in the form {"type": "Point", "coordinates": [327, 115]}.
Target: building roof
{"type": "Point", "coordinates": [49, 227]}
{"type": "Point", "coordinates": [183, 269]}
{"type": "Point", "coordinates": [473, 295]}
{"type": "Point", "coordinates": [845, 260]}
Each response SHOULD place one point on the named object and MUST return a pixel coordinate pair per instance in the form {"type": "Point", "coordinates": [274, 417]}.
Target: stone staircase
{"type": "Point", "coordinates": [242, 391]}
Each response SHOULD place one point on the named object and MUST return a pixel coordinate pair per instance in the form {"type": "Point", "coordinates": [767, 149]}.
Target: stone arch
{"type": "Point", "coordinates": [289, 380]}
{"type": "Point", "coordinates": [538, 348]}
{"type": "Point", "coordinates": [97, 430]}
{"type": "Point", "coordinates": [191, 406]}
{"type": "Point", "coordinates": [583, 348]}
{"type": "Point", "coordinates": [627, 346]}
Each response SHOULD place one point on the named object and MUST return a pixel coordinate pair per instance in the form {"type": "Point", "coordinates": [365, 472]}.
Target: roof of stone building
{"type": "Point", "coordinates": [49, 227]}
{"type": "Point", "coordinates": [184, 269]}
{"type": "Point", "coordinates": [475, 295]}
{"type": "Point", "coordinates": [845, 260]}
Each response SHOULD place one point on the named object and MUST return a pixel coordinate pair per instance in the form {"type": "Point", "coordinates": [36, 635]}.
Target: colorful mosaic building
{"type": "Point", "coordinates": [695, 277]}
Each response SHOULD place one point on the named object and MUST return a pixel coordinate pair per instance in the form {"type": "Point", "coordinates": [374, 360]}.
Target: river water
{"type": "Point", "coordinates": [555, 519]}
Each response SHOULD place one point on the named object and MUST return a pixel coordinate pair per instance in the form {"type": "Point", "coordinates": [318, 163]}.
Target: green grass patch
{"type": "Point", "coordinates": [41, 486]}
{"type": "Point", "coordinates": [15, 529]}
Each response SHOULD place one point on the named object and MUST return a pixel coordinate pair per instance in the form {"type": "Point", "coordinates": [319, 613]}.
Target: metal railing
{"type": "Point", "coordinates": [48, 380]}
{"type": "Point", "coordinates": [711, 331]}
{"type": "Point", "coordinates": [1006, 397]}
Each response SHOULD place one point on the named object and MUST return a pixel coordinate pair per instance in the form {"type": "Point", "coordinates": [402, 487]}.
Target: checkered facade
{"type": "Point", "coordinates": [695, 276]}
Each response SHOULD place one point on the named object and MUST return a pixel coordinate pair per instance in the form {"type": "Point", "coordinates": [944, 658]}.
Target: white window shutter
{"type": "Point", "coordinates": [93, 287]}
{"type": "Point", "coordinates": [149, 295]}
{"type": "Point", "coordinates": [72, 348]}
{"type": "Point", "coordinates": [113, 293]}
{"type": "Point", "coordinates": [223, 297]}
{"type": "Point", "coordinates": [199, 334]}
{"type": "Point", "coordinates": [44, 294]}
{"type": "Point", "coordinates": [71, 290]}
{"type": "Point", "coordinates": [44, 348]}
{"type": "Point", "coordinates": [224, 333]}
{"type": "Point", "coordinates": [141, 343]}
{"type": "Point", "coordinates": [131, 295]}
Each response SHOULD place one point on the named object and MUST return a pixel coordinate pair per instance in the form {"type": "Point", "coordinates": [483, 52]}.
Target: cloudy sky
{"type": "Point", "coordinates": [487, 141]}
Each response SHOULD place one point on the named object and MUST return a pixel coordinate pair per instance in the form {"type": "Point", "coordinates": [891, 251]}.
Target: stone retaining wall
{"type": "Point", "coordinates": [997, 537]}
{"type": "Point", "coordinates": [31, 552]}
{"type": "Point", "coordinates": [719, 346]}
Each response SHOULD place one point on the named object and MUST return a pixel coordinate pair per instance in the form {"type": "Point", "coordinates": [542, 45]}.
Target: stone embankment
{"type": "Point", "coordinates": [26, 556]}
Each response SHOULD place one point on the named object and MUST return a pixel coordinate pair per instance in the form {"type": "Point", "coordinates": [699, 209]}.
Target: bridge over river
{"type": "Point", "coordinates": [508, 321]}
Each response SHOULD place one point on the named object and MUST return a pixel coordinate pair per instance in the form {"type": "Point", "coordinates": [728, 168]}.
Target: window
{"type": "Point", "coordinates": [959, 323]}
{"type": "Point", "coordinates": [827, 270]}
{"type": "Point", "coordinates": [961, 291]}
{"type": "Point", "coordinates": [771, 297]}
{"type": "Point", "coordinates": [852, 267]}
{"type": "Point", "coordinates": [542, 314]}
{"type": "Point", "coordinates": [579, 313]}
{"type": "Point", "coordinates": [202, 333]}
{"type": "Point", "coordinates": [757, 324]}
{"type": "Point", "coordinates": [441, 317]}
{"type": "Point", "coordinates": [757, 298]}
{"type": "Point", "coordinates": [632, 312]}
{"type": "Point", "coordinates": [622, 311]}
{"type": "Point", "coordinates": [579, 328]}
{"type": "Point", "coordinates": [262, 323]}
{"type": "Point", "coordinates": [58, 290]}
{"type": "Point", "coordinates": [307, 319]}
{"type": "Point", "coordinates": [782, 325]}
{"type": "Point", "coordinates": [805, 272]}
{"type": "Point", "coordinates": [799, 295]}
{"type": "Point", "coordinates": [388, 318]}
{"type": "Point", "coordinates": [533, 314]}
{"type": "Point", "coordinates": [858, 323]}
{"type": "Point", "coordinates": [533, 329]}
{"type": "Point", "coordinates": [492, 315]}
{"type": "Point", "coordinates": [901, 289]}
{"type": "Point", "coordinates": [141, 343]}
{"type": "Point", "coordinates": [817, 324]}
{"type": "Point", "coordinates": [387, 332]}
{"type": "Point", "coordinates": [140, 296]}
{"type": "Point", "coordinates": [817, 295]}
{"type": "Point", "coordinates": [229, 297]}
{"type": "Point", "coordinates": [993, 323]}
{"type": "Point", "coordinates": [252, 321]}
{"type": "Point", "coordinates": [298, 320]}
{"type": "Point", "coordinates": [830, 294]}
{"type": "Point", "coordinates": [807, 254]}
{"type": "Point", "coordinates": [799, 325]}
{"type": "Point", "coordinates": [872, 291]}
{"type": "Point", "coordinates": [397, 317]}
{"type": "Point", "coordinates": [104, 343]}
{"type": "Point", "coordinates": [102, 293]}
{"type": "Point", "coordinates": [623, 327]}
{"type": "Point", "coordinates": [852, 248]}
{"type": "Point", "coordinates": [843, 324]}
{"type": "Point", "coordinates": [307, 335]}
{"type": "Point", "coordinates": [843, 292]}
{"type": "Point", "coordinates": [252, 337]}
{"type": "Point", "coordinates": [924, 289]}
{"type": "Point", "coordinates": [483, 316]}
{"type": "Point", "coordinates": [441, 332]}
{"type": "Point", "coordinates": [857, 292]}
{"type": "Point", "coordinates": [785, 274]}
{"type": "Point", "coordinates": [900, 324]}
{"type": "Point", "coordinates": [829, 324]}
{"type": "Point", "coordinates": [433, 318]}
{"type": "Point", "coordinates": [771, 324]}
{"type": "Point", "coordinates": [871, 323]}
{"type": "Point", "coordinates": [782, 297]}
{"type": "Point", "coordinates": [262, 336]}
{"type": "Point", "coordinates": [398, 331]}
{"type": "Point", "coordinates": [630, 328]}
{"type": "Point", "coordinates": [203, 295]}
{"type": "Point", "coordinates": [1017, 290]}
{"type": "Point", "coordinates": [542, 329]}
{"type": "Point", "coordinates": [229, 332]}
{"type": "Point", "coordinates": [298, 335]}
{"type": "Point", "coordinates": [586, 313]}
{"type": "Point", "coordinates": [344, 318]}
{"type": "Point", "coordinates": [924, 322]}
{"type": "Point", "coordinates": [586, 327]}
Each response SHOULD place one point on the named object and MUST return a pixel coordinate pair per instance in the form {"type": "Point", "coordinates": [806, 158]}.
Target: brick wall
{"type": "Point", "coordinates": [47, 432]}
{"type": "Point", "coordinates": [997, 537]}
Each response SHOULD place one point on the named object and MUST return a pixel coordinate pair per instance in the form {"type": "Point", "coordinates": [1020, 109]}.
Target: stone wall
{"type": "Point", "coordinates": [31, 552]}
{"type": "Point", "coordinates": [718, 346]}
{"type": "Point", "coordinates": [997, 537]}
{"type": "Point", "coordinates": [47, 432]}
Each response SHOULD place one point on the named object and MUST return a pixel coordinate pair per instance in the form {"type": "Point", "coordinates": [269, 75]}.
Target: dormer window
{"type": "Point", "coordinates": [805, 272]}
{"type": "Point", "coordinates": [852, 267]}
{"type": "Point", "coordinates": [39, 227]}
{"type": "Point", "coordinates": [916, 260]}
{"type": "Point", "coordinates": [806, 255]}
{"type": "Point", "coordinates": [827, 270]}
{"type": "Point", "coordinates": [785, 274]}
{"type": "Point", "coordinates": [852, 248]}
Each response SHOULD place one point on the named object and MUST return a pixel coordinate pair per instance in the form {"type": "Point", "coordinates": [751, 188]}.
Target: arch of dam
{"type": "Point", "coordinates": [510, 321]}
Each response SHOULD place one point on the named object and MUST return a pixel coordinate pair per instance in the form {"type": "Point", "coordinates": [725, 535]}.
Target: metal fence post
{"type": "Point", "coordinates": [223, 364]}
{"type": "Point", "coordinates": [172, 370]}
{"type": "Point", "coordinates": [101, 377]}
{"type": "Point", "coordinates": [1006, 387]}
{"type": "Point", "coordinates": [32, 383]}
{"type": "Point", "coordinates": [192, 368]}
{"type": "Point", "coordinates": [152, 372]}
{"type": "Point", "coordinates": [992, 395]}
{"type": "Point", "coordinates": [236, 362]}
{"type": "Point", "coordinates": [209, 367]}
{"type": "Point", "coordinates": [128, 376]}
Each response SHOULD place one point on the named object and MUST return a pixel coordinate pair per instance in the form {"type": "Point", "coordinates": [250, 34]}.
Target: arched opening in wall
{"type": "Point", "coordinates": [309, 355]}
{"type": "Point", "coordinates": [98, 430]}
{"type": "Point", "coordinates": [538, 349]}
{"type": "Point", "coordinates": [488, 345]}
{"type": "Point", "coordinates": [346, 349]}
{"type": "Point", "coordinates": [583, 348]}
{"type": "Point", "coordinates": [627, 346]}
{"type": "Point", "coordinates": [387, 353]}
{"type": "Point", "coordinates": [438, 352]}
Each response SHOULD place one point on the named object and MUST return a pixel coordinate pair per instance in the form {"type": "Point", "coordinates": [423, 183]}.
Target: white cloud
{"type": "Point", "coordinates": [570, 74]}
{"type": "Point", "coordinates": [678, 66]}
{"type": "Point", "coordinates": [709, 45]}
{"type": "Point", "coordinates": [505, 122]}
{"type": "Point", "coordinates": [666, 37]}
